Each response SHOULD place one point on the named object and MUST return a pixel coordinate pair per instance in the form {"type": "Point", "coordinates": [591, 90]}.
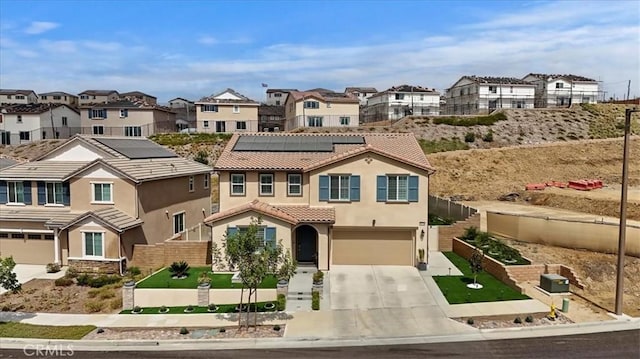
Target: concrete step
{"type": "Point", "coordinates": [299, 295]}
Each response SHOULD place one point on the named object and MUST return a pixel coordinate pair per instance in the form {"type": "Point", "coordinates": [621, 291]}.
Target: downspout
{"type": "Point", "coordinates": [120, 253]}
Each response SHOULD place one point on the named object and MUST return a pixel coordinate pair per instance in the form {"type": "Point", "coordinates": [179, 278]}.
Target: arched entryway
{"type": "Point", "coordinates": [306, 244]}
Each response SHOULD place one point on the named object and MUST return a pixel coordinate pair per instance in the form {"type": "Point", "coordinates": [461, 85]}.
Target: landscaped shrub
{"type": "Point", "coordinates": [83, 279]}
{"type": "Point", "coordinates": [116, 303]}
{"type": "Point", "coordinates": [202, 157]}
{"type": "Point", "coordinates": [222, 330]}
{"type": "Point", "coordinates": [442, 145]}
{"type": "Point", "coordinates": [204, 278]}
{"type": "Point", "coordinates": [318, 277]}
{"type": "Point", "coordinates": [106, 293]}
{"type": "Point", "coordinates": [53, 268]}
{"type": "Point", "coordinates": [470, 321]}
{"type": "Point", "coordinates": [63, 282]}
{"type": "Point", "coordinates": [517, 320]}
{"type": "Point", "coordinates": [528, 319]}
{"type": "Point", "coordinates": [71, 273]}
{"type": "Point", "coordinates": [179, 269]}
{"type": "Point", "coordinates": [315, 300]}
{"type": "Point", "coordinates": [189, 308]}
{"type": "Point", "coordinates": [163, 309]}
{"type": "Point", "coordinates": [101, 281]}
{"type": "Point", "coordinates": [92, 293]}
{"type": "Point", "coordinates": [184, 331]}
{"type": "Point", "coordinates": [470, 137]}
{"type": "Point", "coordinates": [133, 271]}
{"type": "Point", "coordinates": [276, 328]}
{"type": "Point", "coordinates": [93, 306]}
{"type": "Point", "coordinates": [488, 137]}
{"type": "Point", "coordinates": [136, 309]}
{"type": "Point", "coordinates": [282, 302]}
{"type": "Point", "coordinates": [212, 307]}
{"type": "Point", "coordinates": [470, 234]}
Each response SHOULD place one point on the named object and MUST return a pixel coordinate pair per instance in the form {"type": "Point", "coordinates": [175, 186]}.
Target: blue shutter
{"type": "Point", "coordinates": [27, 191]}
{"type": "Point", "coordinates": [270, 236]}
{"type": "Point", "coordinates": [324, 188]}
{"type": "Point", "coordinates": [104, 110]}
{"type": "Point", "coordinates": [89, 111]}
{"type": "Point", "coordinates": [3, 192]}
{"type": "Point", "coordinates": [66, 194]}
{"type": "Point", "coordinates": [355, 188]}
{"type": "Point", "coordinates": [42, 193]}
{"type": "Point", "coordinates": [413, 188]}
{"type": "Point", "coordinates": [381, 186]}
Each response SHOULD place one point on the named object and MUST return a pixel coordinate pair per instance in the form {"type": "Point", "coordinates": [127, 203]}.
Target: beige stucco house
{"type": "Point", "coordinates": [331, 198]}
{"type": "Point", "coordinates": [59, 97]}
{"type": "Point", "coordinates": [89, 97]}
{"type": "Point", "coordinates": [90, 201]}
{"type": "Point", "coordinates": [226, 112]}
{"type": "Point", "coordinates": [23, 97]}
{"type": "Point", "coordinates": [139, 96]}
{"type": "Point", "coordinates": [37, 121]}
{"type": "Point", "coordinates": [131, 118]}
{"type": "Point", "coordinates": [321, 108]}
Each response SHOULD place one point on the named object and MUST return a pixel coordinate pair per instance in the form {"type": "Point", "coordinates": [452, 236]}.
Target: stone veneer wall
{"type": "Point", "coordinates": [95, 266]}
{"type": "Point", "coordinates": [197, 254]}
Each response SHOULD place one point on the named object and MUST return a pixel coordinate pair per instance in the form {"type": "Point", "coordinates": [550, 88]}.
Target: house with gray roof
{"type": "Point", "coordinates": [27, 123]}
{"type": "Point", "coordinates": [226, 112]}
{"type": "Point", "coordinates": [128, 117]}
{"type": "Point", "coordinates": [563, 90]}
{"type": "Point", "coordinates": [277, 97]}
{"type": "Point", "coordinates": [139, 96]}
{"type": "Point", "coordinates": [12, 97]}
{"type": "Point", "coordinates": [59, 97]}
{"type": "Point", "coordinates": [93, 201]}
{"type": "Point", "coordinates": [400, 101]}
{"type": "Point", "coordinates": [484, 94]}
{"type": "Point", "coordinates": [361, 93]}
{"type": "Point", "coordinates": [90, 97]}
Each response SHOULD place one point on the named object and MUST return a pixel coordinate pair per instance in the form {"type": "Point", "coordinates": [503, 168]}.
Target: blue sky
{"type": "Point", "coordinates": [195, 48]}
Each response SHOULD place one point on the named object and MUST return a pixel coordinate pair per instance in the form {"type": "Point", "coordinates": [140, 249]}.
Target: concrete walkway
{"type": "Point", "coordinates": [439, 265]}
{"type": "Point", "coordinates": [299, 294]}
{"type": "Point", "coordinates": [27, 272]}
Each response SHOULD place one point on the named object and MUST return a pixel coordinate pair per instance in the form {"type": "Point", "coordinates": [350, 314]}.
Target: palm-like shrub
{"type": "Point", "coordinates": [179, 269]}
{"type": "Point", "coordinates": [470, 234]}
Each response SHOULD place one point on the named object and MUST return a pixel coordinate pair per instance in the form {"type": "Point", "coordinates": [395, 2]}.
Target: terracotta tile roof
{"type": "Point", "coordinates": [292, 214]}
{"type": "Point", "coordinates": [398, 146]}
{"type": "Point", "coordinates": [112, 217]}
{"type": "Point", "coordinates": [35, 108]}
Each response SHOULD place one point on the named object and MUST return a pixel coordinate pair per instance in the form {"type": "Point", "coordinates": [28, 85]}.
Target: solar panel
{"type": "Point", "coordinates": [252, 143]}
{"type": "Point", "coordinates": [136, 149]}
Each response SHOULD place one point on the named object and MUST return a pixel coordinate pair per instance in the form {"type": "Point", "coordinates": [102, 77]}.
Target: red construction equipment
{"type": "Point", "coordinates": [586, 185]}
{"type": "Point", "coordinates": [535, 186]}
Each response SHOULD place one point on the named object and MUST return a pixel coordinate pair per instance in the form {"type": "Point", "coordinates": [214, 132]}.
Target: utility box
{"type": "Point", "coordinates": [554, 283]}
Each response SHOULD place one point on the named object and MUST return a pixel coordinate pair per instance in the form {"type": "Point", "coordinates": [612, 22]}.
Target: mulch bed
{"type": "Point", "coordinates": [263, 331]}
{"type": "Point", "coordinates": [505, 321]}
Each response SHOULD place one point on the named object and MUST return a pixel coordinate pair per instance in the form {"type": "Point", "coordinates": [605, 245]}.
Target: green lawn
{"type": "Point", "coordinates": [163, 279]}
{"type": "Point", "coordinates": [23, 330]}
{"type": "Point", "coordinates": [455, 288]}
{"type": "Point", "coordinates": [222, 308]}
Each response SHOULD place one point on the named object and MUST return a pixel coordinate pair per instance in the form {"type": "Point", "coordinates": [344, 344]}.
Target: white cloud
{"type": "Point", "coordinates": [207, 40]}
{"type": "Point", "coordinates": [102, 46]}
{"type": "Point", "coordinates": [38, 27]}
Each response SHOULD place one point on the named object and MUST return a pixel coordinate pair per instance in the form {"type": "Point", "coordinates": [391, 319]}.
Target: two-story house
{"type": "Point", "coordinates": [270, 118]}
{"type": "Point", "coordinates": [552, 90]}
{"type": "Point", "coordinates": [320, 108]}
{"type": "Point", "coordinates": [37, 121]}
{"type": "Point", "coordinates": [227, 111]}
{"type": "Point", "coordinates": [127, 118]}
{"type": "Point", "coordinates": [139, 96]}
{"type": "Point", "coordinates": [90, 97]}
{"type": "Point", "coordinates": [19, 97]}
{"type": "Point", "coordinates": [400, 101]}
{"type": "Point", "coordinates": [330, 198]}
{"type": "Point", "coordinates": [277, 97]}
{"type": "Point", "coordinates": [180, 102]}
{"type": "Point", "coordinates": [90, 201]}
{"type": "Point", "coordinates": [475, 94]}
{"type": "Point", "coordinates": [59, 97]}
{"type": "Point", "coordinates": [361, 93]}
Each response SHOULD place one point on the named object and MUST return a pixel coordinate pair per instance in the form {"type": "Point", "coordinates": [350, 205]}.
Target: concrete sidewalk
{"type": "Point", "coordinates": [27, 272]}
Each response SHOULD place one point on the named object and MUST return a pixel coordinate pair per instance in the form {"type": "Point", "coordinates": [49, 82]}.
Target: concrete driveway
{"type": "Point", "coordinates": [370, 287]}
{"type": "Point", "coordinates": [27, 272]}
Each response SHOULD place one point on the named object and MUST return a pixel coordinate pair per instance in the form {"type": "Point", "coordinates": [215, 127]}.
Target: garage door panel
{"type": "Point", "coordinates": [28, 251]}
{"type": "Point", "coordinates": [372, 247]}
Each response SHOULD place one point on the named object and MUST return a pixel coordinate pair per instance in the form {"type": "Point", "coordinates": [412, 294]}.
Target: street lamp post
{"type": "Point", "coordinates": [623, 212]}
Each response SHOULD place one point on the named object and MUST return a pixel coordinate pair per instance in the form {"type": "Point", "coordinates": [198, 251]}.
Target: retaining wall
{"type": "Point", "coordinates": [145, 297]}
{"type": "Point", "coordinates": [154, 256]}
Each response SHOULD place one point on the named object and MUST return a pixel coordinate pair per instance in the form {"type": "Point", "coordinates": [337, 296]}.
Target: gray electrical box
{"type": "Point", "coordinates": [554, 283]}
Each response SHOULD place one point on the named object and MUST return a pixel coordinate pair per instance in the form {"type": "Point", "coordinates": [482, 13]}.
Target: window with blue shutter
{"type": "Point", "coordinates": [42, 193]}
{"type": "Point", "coordinates": [26, 185]}
{"type": "Point", "coordinates": [90, 113]}
{"type": "Point", "coordinates": [231, 231]}
{"type": "Point", "coordinates": [381, 188]}
{"type": "Point", "coordinates": [324, 188]}
{"type": "Point", "coordinates": [104, 111]}
{"type": "Point", "coordinates": [3, 192]}
{"type": "Point", "coordinates": [66, 194]}
{"type": "Point", "coordinates": [270, 236]}
{"type": "Point", "coordinates": [355, 188]}
{"type": "Point", "coordinates": [413, 188]}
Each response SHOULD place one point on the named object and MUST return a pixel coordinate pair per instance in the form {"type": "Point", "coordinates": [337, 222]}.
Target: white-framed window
{"type": "Point", "coordinates": [209, 108]}
{"type": "Point", "coordinates": [241, 125]}
{"type": "Point", "coordinates": [124, 113]}
{"type": "Point", "coordinates": [54, 193]}
{"type": "Point", "coordinates": [43, 97]}
{"type": "Point", "coordinates": [260, 234]}
{"type": "Point", "coordinates": [339, 187]}
{"type": "Point", "coordinates": [84, 97]}
{"type": "Point", "coordinates": [559, 85]}
{"type": "Point", "coordinates": [328, 104]}
{"type": "Point", "coordinates": [421, 97]}
{"type": "Point", "coordinates": [314, 121]}
{"type": "Point", "coordinates": [221, 126]}
{"type": "Point", "coordinates": [493, 89]}
{"type": "Point", "coordinates": [344, 120]}
{"type": "Point", "coordinates": [277, 94]}
{"type": "Point", "coordinates": [178, 222]}
{"type": "Point", "coordinates": [98, 113]}
{"type": "Point", "coordinates": [294, 184]}
{"type": "Point", "coordinates": [236, 109]}
{"type": "Point", "coordinates": [205, 124]}
{"type": "Point", "coordinates": [19, 97]}
{"type": "Point", "coordinates": [396, 111]}
{"type": "Point", "coordinates": [191, 186]}
{"type": "Point", "coordinates": [510, 89]}
{"type": "Point", "coordinates": [266, 184]}
{"type": "Point", "coordinates": [397, 188]}
{"type": "Point", "coordinates": [19, 119]}
{"type": "Point", "coordinates": [207, 180]}
{"type": "Point", "coordinates": [237, 184]}
{"type": "Point", "coordinates": [93, 244]}
{"type": "Point", "coordinates": [24, 135]}
{"type": "Point", "coordinates": [102, 192]}
{"type": "Point", "coordinates": [15, 192]}
{"type": "Point", "coordinates": [58, 97]}
{"type": "Point", "coordinates": [65, 121]}
{"type": "Point", "coordinates": [98, 130]}
{"type": "Point", "coordinates": [399, 96]}
{"type": "Point", "coordinates": [133, 131]}
{"type": "Point", "coordinates": [517, 104]}
{"type": "Point", "coordinates": [311, 104]}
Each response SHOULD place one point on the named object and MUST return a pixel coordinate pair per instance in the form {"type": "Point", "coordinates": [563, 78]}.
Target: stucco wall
{"type": "Point", "coordinates": [599, 237]}
{"type": "Point", "coordinates": [123, 192]}
{"type": "Point", "coordinates": [111, 239]}
{"type": "Point", "coordinates": [279, 196]}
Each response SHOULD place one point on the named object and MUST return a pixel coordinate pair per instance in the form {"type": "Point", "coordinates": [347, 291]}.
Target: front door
{"type": "Point", "coordinates": [306, 244]}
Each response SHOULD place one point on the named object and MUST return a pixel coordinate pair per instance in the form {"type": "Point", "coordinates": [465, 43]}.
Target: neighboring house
{"type": "Point", "coordinates": [270, 118]}
{"type": "Point", "coordinates": [185, 113]}
{"type": "Point", "coordinates": [59, 97]}
{"type": "Point", "coordinates": [87, 203]}
{"type": "Point", "coordinates": [37, 121]}
{"type": "Point", "coordinates": [23, 97]}
{"type": "Point", "coordinates": [277, 97]}
{"type": "Point", "coordinates": [139, 96]}
{"type": "Point", "coordinates": [474, 94]}
{"type": "Point", "coordinates": [227, 111]}
{"type": "Point", "coordinates": [180, 102]}
{"type": "Point", "coordinates": [400, 101]}
{"type": "Point", "coordinates": [320, 108]}
{"type": "Point", "coordinates": [361, 93]}
{"type": "Point", "coordinates": [563, 90]}
{"type": "Point", "coordinates": [330, 198]}
{"type": "Point", "coordinates": [90, 97]}
{"type": "Point", "coordinates": [127, 118]}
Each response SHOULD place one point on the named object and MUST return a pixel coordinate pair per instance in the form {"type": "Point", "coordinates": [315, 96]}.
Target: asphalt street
{"type": "Point", "coordinates": [621, 344]}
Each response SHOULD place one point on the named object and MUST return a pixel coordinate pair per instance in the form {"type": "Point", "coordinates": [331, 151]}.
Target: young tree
{"type": "Point", "coordinates": [248, 253]}
{"type": "Point", "coordinates": [8, 278]}
{"type": "Point", "coordinates": [476, 265]}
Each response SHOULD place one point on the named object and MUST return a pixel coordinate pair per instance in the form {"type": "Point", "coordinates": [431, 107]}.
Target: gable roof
{"type": "Point", "coordinates": [16, 92]}
{"type": "Point", "coordinates": [407, 89]}
{"type": "Point", "coordinates": [135, 94]}
{"type": "Point", "coordinates": [110, 217]}
{"type": "Point", "coordinates": [181, 99]}
{"type": "Point", "coordinates": [35, 108]}
{"type": "Point", "coordinates": [292, 214]}
{"type": "Point", "coordinates": [489, 80]}
{"type": "Point", "coordinates": [401, 147]}
{"type": "Point", "coordinates": [569, 77]}
{"type": "Point", "coordinates": [361, 89]}
{"type": "Point", "coordinates": [280, 90]}
{"type": "Point", "coordinates": [322, 96]}
{"type": "Point", "coordinates": [56, 93]}
{"type": "Point", "coordinates": [214, 98]}
{"type": "Point", "coordinates": [130, 104]}
{"type": "Point", "coordinates": [98, 92]}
